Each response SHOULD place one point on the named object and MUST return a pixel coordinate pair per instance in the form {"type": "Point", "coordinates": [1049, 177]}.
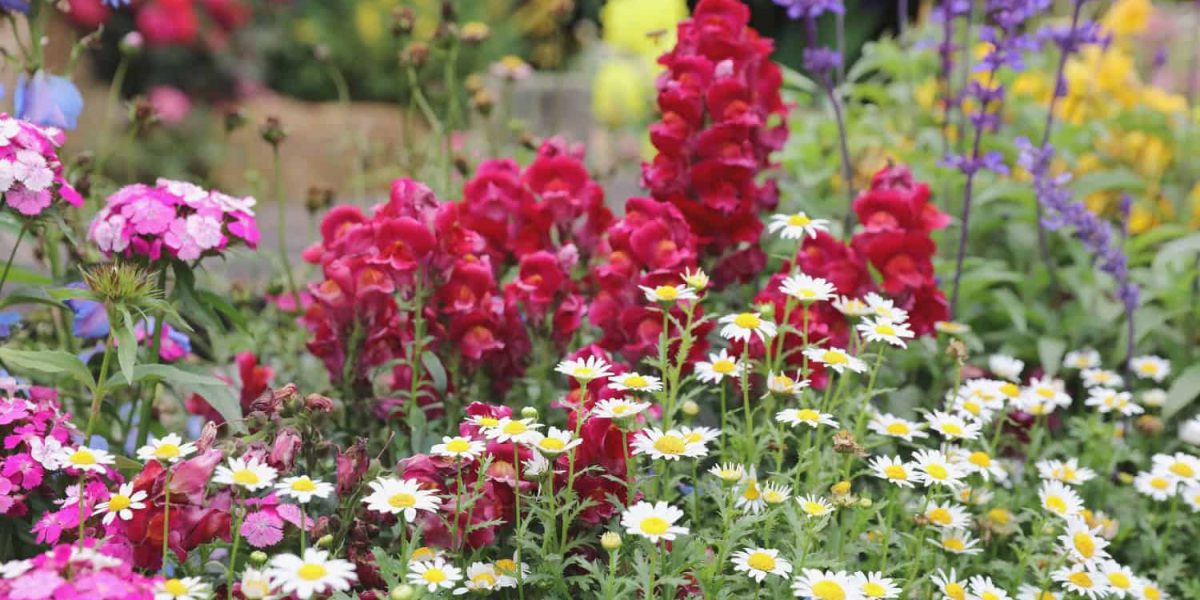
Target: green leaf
{"type": "Point", "coordinates": [435, 369]}
{"type": "Point", "coordinates": [1117, 179]}
{"type": "Point", "coordinates": [1050, 352]}
{"type": "Point", "coordinates": [127, 345]}
{"type": "Point", "coordinates": [222, 307]}
{"type": "Point", "coordinates": [1183, 391]}
{"type": "Point", "coordinates": [48, 362]}
{"type": "Point", "coordinates": [22, 276]}
{"type": "Point", "coordinates": [218, 393]}
{"type": "Point", "coordinates": [1177, 251]}
{"type": "Point", "coordinates": [35, 296]}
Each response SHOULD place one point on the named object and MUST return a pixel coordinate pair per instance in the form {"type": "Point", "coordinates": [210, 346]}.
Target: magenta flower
{"type": "Point", "coordinates": [262, 529]}
{"type": "Point", "coordinates": [31, 175]}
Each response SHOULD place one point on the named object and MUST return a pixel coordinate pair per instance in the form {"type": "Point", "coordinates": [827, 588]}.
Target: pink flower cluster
{"type": "Point", "coordinates": [31, 176]}
{"type": "Point", "coordinates": [33, 427]}
{"type": "Point", "coordinates": [181, 219]}
{"type": "Point", "coordinates": [71, 572]}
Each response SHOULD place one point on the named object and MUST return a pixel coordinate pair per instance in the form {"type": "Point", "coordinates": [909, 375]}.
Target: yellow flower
{"type": "Point", "coordinates": [1163, 101]}
{"type": "Point", "coordinates": [620, 93]}
{"type": "Point", "coordinates": [1127, 17]}
{"type": "Point", "coordinates": [643, 27]}
{"type": "Point", "coordinates": [928, 95]}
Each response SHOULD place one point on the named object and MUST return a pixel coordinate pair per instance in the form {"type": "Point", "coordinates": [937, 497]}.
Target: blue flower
{"type": "Point", "coordinates": [48, 100]}
{"type": "Point", "coordinates": [7, 320]}
{"type": "Point", "coordinates": [21, 6]}
{"type": "Point", "coordinates": [115, 3]}
{"type": "Point", "coordinates": [91, 321]}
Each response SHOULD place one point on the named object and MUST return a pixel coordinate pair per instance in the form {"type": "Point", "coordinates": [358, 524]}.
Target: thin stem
{"type": "Point", "coordinates": [303, 527]}
{"type": "Point", "coordinates": [143, 423]}
{"type": "Point", "coordinates": [237, 538]}
{"type": "Point", "coordinates": [82, 508]}
{"type": "Point", "coordinates": [98, 392]}
{"type": "Point", "coordinates": [517, 515]}
{"type": "Point", "coordinates": [12, 255]}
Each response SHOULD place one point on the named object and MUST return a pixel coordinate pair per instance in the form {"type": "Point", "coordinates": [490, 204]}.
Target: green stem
{"type": "Point", "coordinates": [12, 255]}
{"type": "Point", "coordinates": [98, 393]}
{"type": "Point", "coordinates": [653, 555]}
{"type": "Point", "coordinates": [517, 515]}
{"type": "Point", "coordinates": [114, 96]}
{"type": "Point", "coordinates": [237, 539]}
{"type": "Point", "coordinates": [303, 527]}
{"type": "Point", "coordinates": [750, 441]}
{"type": "Point", "coordinates": [82, 508]}
{"type": "Point", "coordinates": [143, 422]}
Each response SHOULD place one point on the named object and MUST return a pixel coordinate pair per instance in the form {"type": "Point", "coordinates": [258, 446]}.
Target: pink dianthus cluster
{"type": "Point", "coordinates": [31, 176]}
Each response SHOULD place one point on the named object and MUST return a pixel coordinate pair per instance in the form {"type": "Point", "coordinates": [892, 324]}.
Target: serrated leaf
{"type": "Point", "coordinates": [49, 362]}
{"type": "Point", "coordinates": [126, 346]}
{"type": "Point", "coordinates": [1183, 391]}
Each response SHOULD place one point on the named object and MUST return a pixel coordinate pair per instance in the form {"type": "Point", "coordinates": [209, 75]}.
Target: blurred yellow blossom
{"type": "Point", "coordinates": [643, 27]}
{"type": "Point", "coordinates": [620, 93]}
{"type": "Point", "coordinates": [1127, 17]}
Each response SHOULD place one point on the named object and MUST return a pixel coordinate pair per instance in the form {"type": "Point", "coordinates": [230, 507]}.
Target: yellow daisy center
{"type": "Point", "coordinates": [515, 428]}
{"type": "Point", "coordinates": [434, 575]}
{"type": "Point", "coordinates": [1159, 483]}
{"type": "Point", "coordinates": [761, 561]}
{"type": "Point", "coordinates": [896, 472]}
{"type": "Point", "coordinates": [898, 428]}
{"type": "Point", "coordinates": [119, 502]}
{"type": "Point", "coordinates": [999, 516]}
{"type": "Point", "coordinates": [245, 477]}
{"type": "Point", "coordinates": [874, 589]}
{"type": "Point", "coordinates": [1183, 469]}
{"type": "Point", "coordinates": [954, 544]}
{"type": "Point", "coordinates": [458, 445]}
{"type": "Point", "coordinates": [989, 596]}
{"type": "Point", "coordinates": [724, 367]}
{"type": "Point", "coordinates": [940, 516]}
{"type": "Point", "coordinates": [808, 415]}
{"type": "Point", "coordinates": [423, 553]}
{"type": "Point", "coordinates": [799, 220]}
{"type": "Point", "coordinates": [832, 357]}
{"type": "Point", "coordinates": [1119, 580]}
{"type": "Point", "coordinates": [402, 500]}
{"type": "Point", "coordinates": [666, 292]}
{"type": "Point", "coordinates": [484, 579]}
{"type": "Point", "coordinates": [1056, 504]}
{"type": "Point", "coordinates": [489, 421]}
{"type": "Point", "coordinates": [506, 565]}
{"type": "Point", "coordinates": [1084, 544]}
{"type": "Point", "coordinates": [312, 571]}
{"type": "Point", "coordinates": [751, 492]}
{"type": "Point", "coordinates": [166, 451]}
{"type": "Point", "coordinates": [82, 457]}
{"type": "Point", "coordinates": [814, 508]}
{"type": "Point", "coordinates": [175, 587]}
{"type": "Point", "coordinates": [304, 484]}
{"type": "Point", "coordinates": [955, 591]}
{"type": "Point", "coordinates": [952, 429]}
{"type": "Point", "coordinates": [747, 321]}
{"type": "Point", "coordinates": [654, 526]}
{"type": "Point", "coordinates": [828, 590]}
{"type": "Point", "coordinates": [972, 407]}
{"type": "Point", "coordinates": [1045, 392]}
{"type": "Point", "coordinates": [636, 381]}
{"type": "Point", "coordinates": [938, 472]}
{"type": "Point", "coordinates": [670, 444]}
{"type": "Point", "coordinates": [1081, 580]}
{"type": "Point", "coordinates": [885, 329]}
{"type": "Point", "coordinates": [1010, 389]}
{"type": "Point", "coordinates": [619, 409]}
{"type": "Point", "coordinates": [552, 443]}
{"type": "Point", "coordinates": [1148, 368]}
{"type": "Point", "coordinates": [980, 459]}
{"type": "Point", "coordinates": [584, 372]}
{"type": "Point", "coordinates": [1152, 593]}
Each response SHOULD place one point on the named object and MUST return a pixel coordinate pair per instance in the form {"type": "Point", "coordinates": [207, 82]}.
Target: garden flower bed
{"type": "Point", "coordinates": [919, 326]}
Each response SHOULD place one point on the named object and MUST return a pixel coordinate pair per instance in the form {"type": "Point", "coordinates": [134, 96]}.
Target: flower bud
{"type": "Point", "coordinates": [318, 403]}
{"type": "Point", "coordinates": [272, 131]}
{"type": "Point", "coordinates": [529, 412]}
{"type": "Point", "coordinates": [258, 558]}
{"type": "Point", "coordinates": [610, 541]}
{"type": "Point", "coordinates": [690, 408]}
{"type": "Point", "coordinates": [401, 592]}
{"type": "Point", "coordinates": [326, 541]}
{"type": "Point", "coordinates": [865, 503]}
{"type": "Point", "coordinates": [132, 43]}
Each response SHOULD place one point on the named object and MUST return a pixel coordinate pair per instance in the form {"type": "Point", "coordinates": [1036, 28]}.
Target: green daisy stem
{"type": "Point", "coordinates": [746, 403]}
{"type": "Point", "coordinates": [724, 419]}
{"type": "Point", "coordinates": [238, 515]}
{"type": "Point", "coordinates": [12, 255]}
{"type": "Point", "coordinates": [571, 462]}
{"type": "Point", "coordinates": [303, 526]}
{"type": "Point", "coordinates": [98, 392]}
{"type": "Point", "coordinates": [653, 555]}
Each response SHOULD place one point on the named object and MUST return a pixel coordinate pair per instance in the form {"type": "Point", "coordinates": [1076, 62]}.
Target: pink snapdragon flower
{"type": "Point", "coordinates": [31, 175]}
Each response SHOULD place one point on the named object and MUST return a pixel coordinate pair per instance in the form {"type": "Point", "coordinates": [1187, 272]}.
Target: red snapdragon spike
{"type": "Point", "coordinates": [904, 258]}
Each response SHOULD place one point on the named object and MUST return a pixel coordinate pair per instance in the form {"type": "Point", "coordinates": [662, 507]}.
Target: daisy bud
{"type": "Point", "coordinates": [865, 503]}
{"type": "Point", "coordinates": [258, 558]}
{"type": "Point", "coordinates": [690, 408]}
{"type": "Point", "coordinates": [610, 541]}
{"type": "Point", "coordinates": [840, 488]}
{"type": "Point", "coordinates": [957, 350]}
{"type": "Point", "coordinates": [326, 541]}
{"type": "Point", "coordinates": [401, 592]}
{"type": "Point", "coordinates": [529, 412]}
{"type": "Point", "coordinates": [1125, 478]}
{"type": "Point", "coordinates": [473, 83]}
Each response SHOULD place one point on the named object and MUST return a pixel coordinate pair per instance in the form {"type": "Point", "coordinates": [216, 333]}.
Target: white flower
{"type": "Point", "coordinates": [957, 541]}
{"type": "Point", "coordinates": [1120, 579]}
{"type": "Point", "coordinates": [82, 459]}
{"type": "Point", "coordinates": [892, 426]}
{"type": "Point", "coordinates": [1182, 466]}
{"type": "Point", "coordinates": [743, 326]}
{"type": "Point", "coordinates": [618, 408]}
{"type": "Point", "coordinates": [313, 574]}
{"type": "Point", "coordinates": [1106, 400]}
{"type": "Point", "coordinates": [1006, 367]}
{"type": "Point", "coordinates": [555, 442]}
{"type": "Point", "coordinates": [1029, 592]}
{"type": "Point", "coordinates": [852, 307]}
{"type": "Point", "coordinates": [951, 327]}
{"type": "Point", "coordinates": [9, 128]}
{"type": "Point", "coordinates": [750, 499]}
{"type": "Point", "coordinates": [1082, 580]}
{"type": "Point", "coordinates": [1150, 367]}
{"type": "Point", "coordinates": [520, 431]}
{"type": "Point", "coordinates": [953, 427]}
{"type": "Point", "coordinates": [697, 280]}
{"type": "Point", "coordinates": [121, 504]}
{"type": "Point", "coordinates": [1154, 397]}
{"type": "Point", "coordinates": [719, 366]}
{"type": "Point", "coordinates": [434, 574]}
{"type": "Point", "coordinates": [805, 416]}
{"type": "Point", "coordinates": [188, 588]}
{"type": "Point", "coordinates": [814, 506]}
{"type": "Point", "coordinates": [825, 585]}
{"type": "Point", "coordinates": [982, 463]}
{"type": "Point", "coordinates": [169, 449]}
{"type": "Point", "coordinates": [535, 466]}
{"type": "Point", "coordinates": [585, 370]}
{"type": "Point", "coordinates": [256, 584]}
{"type": "Point", "coordinates": [635, 382]}
{"type": "Point", "coordinates": [874, 585]}
{"type": "Point", "coordinates": [1191, 496]}
{"type": "Point", "coordinates": [947, 515]}
{"type": "Point", "coordinates": [1059, 499]}
{"type": "Point", "coordinates": [728, 472]}
{"type": "Point", "coordinates": [978, 398]}
{"type": "Point", "coordinates": [699, 435]}
{"type": "Point", "coordinates": [396, 496]}
{"type": "Point", "coordinates": [935, 468]}
{"type": "Point", "coordinates": [949, 585]}
{"type": "Point", "coordinates": [15, 568]}
{"type": "Point", "coordinates": [1157, 485]}
{"type": "Point", "coordinates": [248, 473]}
{"type": "Point", "coordinates": [1083, 544]}
{"type": "Point", "coordinates": [1084, 358]}
{"type": "Point", "coordinates": [982, 588]}
{"type": "Point", "coordinates": [797, 225]}
{"type": "Point", "coordinates": [835, 358]}
{"type": "Point", "coordinates": [894, 470]}
{"type": "Point", "coordinates": [776, 493]}
{"type": "Point", "coordinates": [459, 447]}
{"type": "Point", "coordinates": [668, 445]}
{"type": "Point", "coordinates": [780, 383]}
{"type": "Point", "coordinates": [1102, 377]}
{"type": "Point", "coordinates": [1145, 589]}
{"type": "Point", "coordinates": [1189, 431]}
{"type": "Point", "coordinates": [880, 329]}
{"type": "Point", "coordinates": [1043, 396]}
{"type": "Point", "coordinates": [1067, 471]}
{"type": "Point", "coordinates": [757, 563]}
{"type": "Point", "coordinates": [481, 577]}
{"type": "Point", "coordinates": [883, 307]}
{"type": "Point", "coordinates": [668, 294]}
{"type": "Point", "coordinates": [807, 289]}
{"type": "Point", "coordinates": [653, 521]}
{"type": "Point", "coordinates": [303, 489]}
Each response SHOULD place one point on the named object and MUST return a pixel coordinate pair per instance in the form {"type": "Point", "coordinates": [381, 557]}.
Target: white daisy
{"type": "Point", "coordinates": [730, 473]}
{"type": "Point", "coordinates": [618, 408]}
{"type": "Point", "coordinates": [743, 326]}
{"type": "Point", "coordinates": [1084, 358]}
{"type": "Point", "coordinates": [1191, 496]}
{"type": "Point", "coordinates": [635, 382]}
{"type": "Point", "coordinates": [667, 445]}
{"type": "Point", "coordinates": [1157, 485]}
{"type": "Point", "coordinates": [952, 427]}
{"type": "Point", "coordinates": [719, 366]}
{"type": "Point", "coordinates": [814, 506]}
{"type": "Point", "coordinates": [668, 294]}
{"type": "Point", "coordinates": [248, 473]}
{"type": "Point", "coordinates": [585, 370]}
{"type": "Point", "coordinates": [1154, 397]}
{"type": "Point", "coordinates": [1043, 396]}
{"type": "Point", "coordinates": [805, 416]}
{"type": "Point", "coordinates": [880, 329]}
{"type": "Point", "coordinates": [121, 504]}
{"type": "Point", "coordinates": [1083, 544]}
{"type": "Point", "coordinates": [302, 488]}
{"type": "Point", "coordinates": [874, 585]}
{"type": "Point", "coordinates": [256, 584]}
{"type": "Point", "coordinates": [825, 585]}
{"type": "Point", "coordinates": [1067, 471]}
{"type": "Point", "coordinates": [935, 468]}
{"type": "Point", "coordinates": [169, 449]}
{"type": "Point", "coordinates": [555, 442]}
{"type": "Point", "coordinates": [459, 447]}
{"type": "Point", "coordinates": [1029, 592]}
{"type": "Point", "coordinates": [520, 431]}
{"type": "Point", "coordinates": [852, 307]}
{"type": "Point", "coordinates": [894, 470]}
{"type": "Point", "coordinates": [187, 588]}
{"type": "Point", "coordinates": [1101, 377]}
{"type": "Point", "coordinates": [949, 585]}
{"type": "Point", "coordinates": [892, 426]}
{"type": "Point", "coordinates": [776, 493]}
{"type": "Point", "coordinates": [314, 573]}
{"type": "Point", "coordinates": [757, 563]}
{"type": "Point", "coordinates": [750, 499]}
{"type": "Point", "coordinates": [780, 383]}
{"type": "Point", "coordinates": [957, 541]}
{"type": "Point", "coordinates": [883, 307]}
{"type": "Point", "coordinates": [1006, 367]}
{"type": "Point", "coordinates": [796, 226]}
{"type": "Point", "coordinates": [481, 578]}
{"type": "Point", "coordinates": [1082, 580]}
{"type": "Point", "coordinates": [83, 459]}
{"type": "Point", "coordinates": [807, 289]}
{"type": "Point", "coordinates": [982, 588]}
{"type": "Point", "coordinates": [1107, 400]}
{"type": "Point", "coordinates": [1121, 580]}
{"type": "Point", "coordinates": [697, 280]}
{"type": "Point", "coordinates": [434, 574]}
{"type": "Point", "coordinates": [400, 496]}
{"type": "Point", "coordinates": [947, 515]}
{"type": "Point", "coordinates": [982, 463]}
{"type": "Point", "coordinates": [1150, 367]}
{"type": "Point", "coordinates": [835, 358]}
{"type": "Point", "coordinates": [653, 521]}
{"type": "Point", "coordinates": [1182, 466]}
{"type": "Point", "coordinates": [1146, 589]}
{"type": "Point", "coordinates": [1056, 498]}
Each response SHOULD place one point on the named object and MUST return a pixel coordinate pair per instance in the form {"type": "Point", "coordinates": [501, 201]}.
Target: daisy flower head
{"type": "Point", "coordinates": [826, 585]}
{"type": "Point", "coordinates": [807, 289]}
{"type": "Point", "coordinates": [634, 382]}
{"type": "Point", "coordinates": [780, 383]}
{"type": "Point", "coordinates": [1156, 484]}
{"type": "Point", "coordinates": [719, 366]}
{"type": "Point", "coordinates": [728, 473]}
{"type": "Point", "coordinates": [757, 563]}
{"type": "Point", "coordinates": [750, 499]}
{"type": "Point", "coordinates": [835, 358]}
{"type": "Point", "coordinates": [805, 416]}
{"type": "Point", "coordinates": [535, 466]}
{"type": "Point", "coordinates": [1096, 377]}
{"type": "Point", "coordinates": [668, 294]}
{"type": "Point", "coordinates": [776, 493]}
{"type": "Point", "coordinates": [1082, 580]}
{"type": "Point", "coordinates": [951, 327]}
{"type": "Point", "coordinates": [1154, 397]}
{"type": "Point", "coordinates": [874, 585]}
{"type": "Point", "coordinates": [302, 489]}
{"type": "Point", "coordinates": [186, 588]}
{"type": "Point", "coordinates": [434, 574]}
{"type": "Point", "coordinates": [518, 431]}
{"type": "Point", "coordinates": [1146, 589]}
{"type": "Point", "coordinates": [983, 588]}
{"type": "Point", "coordinates": [1083, 544]}
{"type": "Point", "coordinates": [852, 307]}
{"type": "Point", "coordinates": [1084, 358]}
{"type": "Point", "coordinates": [697, 280]}
{"type": "Point", "coordinates": [585, 370]}
{"type": "Point", "coordinates": [880, 329]}
{"type": "Point", "coordinates": [121, 504]}
{"type": "Point", "coordinates": [1006, 367]}
{"type": "Point", "coordinates": [814, 506]}
{"type": "Point", "coordinates": [667, 445]}
{"type": "Point", "coordinates": [400, 496]}
{"type": "Point", "coordinates": [949, 585]}
{"type": "Point", "coordinates": [507, 567]}
{"type": "Point", "coordinates": [889, 425]}
{"type": "Point", "coordinates": [743, 326]}
{"type": "Point", "coordinates": [947, 515]}
{"type": "Point", "coordinates": [555, 442]}
{"type": "Point", "coordinates": [894, 470]}
{"type": "Point", "coordinates": [1191, 496]}
{"type": "Point", "coordinates": [618, 408]}
{"type": "Point", "coordinates": [248, 473]}
{"type": "Point", "coordinates": [653, 521]}
{"type": "Point", "coordinates": [167, 449]}
{"type": "Point", "coordinates": [1120, 578]}
{"type": "Point", "coordinates": [982, 463]}
{"type": "Point", "coordinates": [311, 574]}
{"type": "Point", "coordinates": [1182, 466]}
{"type": "Point", "coordinates": [481, 578]}
{"type": "Point", "coordinates": [1150, 367]}
{"type": "Point", "coordinates": [796, 226]}
{"type": "Point", "coordinates": [1107, 400]}
{"type": "Point", "coordinates": [256, 584]}
{"type": "Point", "coordinates": [953, 427]}
{"type": "Point", "coordinates": [957, 541]}
{"type": "Point", "coordinates": [936, 468]}
{"type": "Point", "coordinates": [459, 447]}
{"type": "Point", "coordinates": [1030, 592]}
{"type": "Point", "coordinates": [885, 308]}
{"type": "Point", "coordinates": [1043, 396]}
{"type": "Point", "coordinates": [1058, 499]}
{"type": "Point", "coordinates": [1067, 471]}
{"type": "Point", "coordinates": [83, 459]}
{"type": "Point", "coordinates": [424, 554]}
